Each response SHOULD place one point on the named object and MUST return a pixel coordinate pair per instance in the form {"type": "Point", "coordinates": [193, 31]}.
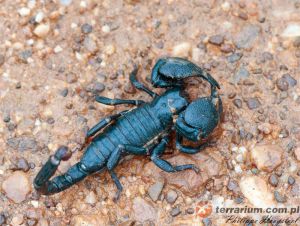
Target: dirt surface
{"type": "Point", "coordinates": [55, 56]}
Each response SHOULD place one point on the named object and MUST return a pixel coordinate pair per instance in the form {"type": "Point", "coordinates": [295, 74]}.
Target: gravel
{"type": "Point", "coordinates": [216, 40]}
{"type": "Point", "coordinates": [86, 28]}
{"type": "Point", "coordinates": [253, 103]}
{"type": "Point", "coordinates": [234, 57]}
{"type": "Point", "coordinates": [238, 103]}
{"type": "Point", "coordinates": [175, 211]}
{"type": "Point", "coordinates": [22, 143]}
{"type": "Point", "coordinates": [273, 180]}
{"type": "Point", "coordinates": [279, 197]}
{"type": "Point", "coordinates": [155, 190]}
{"type": "Point", "coordinates": [291, 180]}
{"type": "Point", "coordinates": [246, 38]}
{"type": "Point", "coordinates": [171, 196]}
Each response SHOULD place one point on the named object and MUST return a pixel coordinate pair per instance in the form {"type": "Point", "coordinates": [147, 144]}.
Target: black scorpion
{"type": "Point", "coordinates": [143, 130]}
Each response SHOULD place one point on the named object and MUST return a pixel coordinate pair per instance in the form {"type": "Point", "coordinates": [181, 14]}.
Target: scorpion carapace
{"type": "Point", "coordinates": [143, 130]}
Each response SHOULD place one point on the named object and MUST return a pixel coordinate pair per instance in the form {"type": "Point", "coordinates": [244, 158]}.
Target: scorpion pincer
{"type": "Point", "coordinates": [144, 130]}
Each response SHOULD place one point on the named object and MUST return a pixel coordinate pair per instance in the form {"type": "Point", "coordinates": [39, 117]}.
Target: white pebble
{"type": "Point", "coordinates": [226, 6]}
{"type": "Point", "coordinates": [58, 49]}
{"type": "Point", "coordinates": [39, 17]}
{"type": "Point", "coordinates": [238, 169]}
{"type": "Point", "coordinates": [42, 30]}
{"type": "Point", "coordinates": [183, 49]}
{"type": "Point", "coordinates": [24, 11]}
{"type": "Point", "coordinates": [106, 29]}
{"type": "Point", "coordinates": [292, 30]}
{"type": "Point", "coordinates": [65, 2]}
{"type": "Point", "coordinates": [83, 4]}
{"type": "Point", "coordinates": [35, 203]}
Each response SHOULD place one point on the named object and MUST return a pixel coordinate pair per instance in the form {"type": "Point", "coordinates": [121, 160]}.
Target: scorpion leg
{"type": "Point", "coordinates": [104, 122]}
{"type": "Point", "coordinates": [165, 165]}
{"type": "Point", "coordinates": [108, 101]}
{"type": "Point", "coordinates": [188, 149]}
{"type": "Point", "coordinates": [111, 164]}
{"type": "Point", "coordinates": [139, 85]}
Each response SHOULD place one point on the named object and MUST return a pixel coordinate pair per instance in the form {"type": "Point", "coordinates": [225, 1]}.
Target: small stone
{"type": "Point", "coordinates": [291, 180]}
{"type": "Point", "coordinates": [6, 118]}
{"type": "Point", "coordinates": [22, 143]}
{"type": "Point", "coordinates": [255, 189]}
{"type": "Point", "coordinates": [109, 49]}
{"type": "Point", "coordinates": [86, 28]}
{"type": "Point", "coordinates": [24, 11]}
{"type": "Point", "coordinates": [90, 44]}
{"type": "Point", "coordinates": [182, 50]}
{"type": "Point", "coordinates": [267, 157]}
{"type": "Point", "coordinates": [253, 103]}
{"type": "Point", "coordinates": [65, 2]}
{"type": "Point", "coordinates": [22, 164]}
{"type": "Point", "coordinates": [143, 211]}
{"type": "Point", "coordinates": [279, 198]}
{"type": "Point", "coordinates": [232, 185]}
{"type": "Point", "coordinates": [18, 85]}
{"type": "Point", "coordinates": [216, 40]}
{"type": "Point", "coordinates": [155, 190]}
{"type": "Point", "coordinates": [105, 29]}
{"type": "Point", "coordinates": [71, 77]}
{"type": "Point", "coordinates": [175, 211]}
{"type": "Point", "coordinates": [96, 87]}
{"type": "Point", "coordinates": [246, 38]}
{"type": "Point", "coordinates": [2, 59]}
{"type": "Point", "coordinates": [2, 219]}
{"type": "Point", "coordinates": [226, 48]}
{"type": "Point", "coordinates": [234, 57]}
{"type": "Point", "coordinates": [282, 84]}
{"type": "Point", "coordinates": [238, 103]}
{"type": "Point", "coordinates": [91, 198]}
{"type": "Point", "coordinates": [290, 80]}
{"type": "Point", "coordinates": [273, 180]}
{"type": "Point", "coordinates": [297, 153]}
{"type": "Point", "coordinates": [226, 6]}
{"type": "Point", "coordinates": [240, 75]}
{"type": "Point", "coordinates": [42, 30]}
{"type": "Point", "coordinates": [39, 17]}
{"type": "Point", "coordinates": [58, 49]}
{"type": "Point", "coordinates": [16, 186]}
{"type": "Point", "coordinates": [171, 196]}
{"type": "Point", "coordinates": [64, 92]}
{"type": "Point", "coordinates": [24, 55]}
{"type": "Point", "coordinates": [190, 210]}
{"type": "Point", "coordinates": [292, 30]}
{"type": "Point", "coordinates": [206, 222]}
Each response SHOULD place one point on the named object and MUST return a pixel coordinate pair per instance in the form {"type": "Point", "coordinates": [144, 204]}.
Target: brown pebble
{"type": "Point", "coordinates": [216, 40]}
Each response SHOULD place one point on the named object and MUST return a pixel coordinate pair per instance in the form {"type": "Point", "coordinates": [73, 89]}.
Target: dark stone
{"type": "Point", "coordinates": [23, 165]}
{"type": "Point", "coordinates": [297, 42]}
{"type": "Point", "coordinates": [291, 180]}
{"type": "Point", "coordinates": [238, 103]}
{"type": "Point", "coordinates": [64, 92]}
{"type": "Point", "coordinates": [71, 77]}
{"type": "Point", "coordinates": [6, 118]}
{"type": "Point", "coordinates": [206, 222]}
{"type": "Point", "coordinates": [267, 56]}
{"type": "Point", "coordinates": [234, 57]}
{"type": "Point", "coordinates": [273, 180]}
{"type": "Point", "coordinates": [22, 143]}
{"type": "Point", "coordinates": [24, 55]}
{"type": "Point", "coordinates": [226, 48]}
{"type": "Point", "coordinates": [2, 59]}
{"type": "Point", "coordinates": [291, 81]}
{"type": "Point", "coordinates": [240, 75]}
{"type": "Point", "coordinates": [190, 211]}
{"type": "Point", "coordinates": [282, 84]}
{"type": "Point", "coordinates": [243, 15]}
{"type": "Point", "coordinates": [160, 45]}
{"type": "Point", "coordinates": [175, 211]}
{"type": "Point", "coordinates": [18, 85]}
{"type": "Point", "coordinates": [239, 200]}
{"type": "Point", "coordinates": [50, 120]}
{"type": "Point", "coordinates": [86, 28]}
{"type": "Point", "coordinates": [280, 198]}
{"type": "Point", "coordinates": [253, 103]}
{"type": "Point", "coordinates": [96, 87]}
{"type": "Point", "coordinates": [216, 40]}
{"type": "Point", "coordinates": [2, 219]}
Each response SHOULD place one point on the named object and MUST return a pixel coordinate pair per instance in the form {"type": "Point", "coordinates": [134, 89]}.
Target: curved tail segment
{"type": "Point", "coordinates": [169, 72]}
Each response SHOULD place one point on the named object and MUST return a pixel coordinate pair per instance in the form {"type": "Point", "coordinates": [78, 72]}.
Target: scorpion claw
{"type": "Point", "coordinates": [63, 153]}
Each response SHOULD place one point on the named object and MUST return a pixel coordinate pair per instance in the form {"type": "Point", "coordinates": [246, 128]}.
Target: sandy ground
{"type": "Point", "coordinates": [55, 56]}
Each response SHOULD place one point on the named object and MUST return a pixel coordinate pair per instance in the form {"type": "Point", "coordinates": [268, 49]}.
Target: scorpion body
{"type": "Point", "coordinates": [143, 130]}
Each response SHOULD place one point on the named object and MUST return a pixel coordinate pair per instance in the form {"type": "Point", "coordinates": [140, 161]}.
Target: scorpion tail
{"type": "Point", "coordinates": [45, 186]}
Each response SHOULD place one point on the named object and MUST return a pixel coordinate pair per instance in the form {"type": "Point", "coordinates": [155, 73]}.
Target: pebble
{"type": "Point", "coordinates": [22, 164]}
{"type": "Point", "coordinates": [226, 48]}
{"type": "Point", "coordinates": [292, 30]}
{"type": "Point", "coordinates": [105, 29]}
{"type": "Point", "coordinates": [155, 190]}
{"type": "Point", "coordinates": [238, 103]}
{"type": "Point", "coordinates": [246, 38]}
{"type": "Point", "coordinates": [282, 84]}
{"type": "Point", "coordinates": [232, 185]}
{"type": "Point", "coordinates": [297, 153]}
{"type": "Point", "coordinates": [17, 186]}
{"type": "Point", "coordinates": [96, 87]}
{"type": "Point", "coordinates": [182, 50]}
{"type": "Point", "coordinates": [280, 198]}
{"type": "Point", "coordinates": [234, 57]}
{"type": "Point", "coordinates": [39, 17]}
{"type": "Point", "coordinates": [206, 222]}
{"type": "Point", "coordinates": [24, 12]}
{"type": "Point", "coordinates": [171, 196]}
{"type": "Point", "coordinates": [291, 180]}
{"type": "Point", "coordinates": [6, 118]}
{"type": "Point", "coordinates": [65, 2]}
{"type": "Point", "coordinates": [240, 75]}
{"type": "Point", "coordinates": [90, 44]}
{"type": "Point", "coordinates": [290, 80]}
{"type": "Point", "coordinates": [143, 210]}
{"type": "Point", "coordinates": [253, 103]}
{"type": "Point", "coordinates": [24, 55]}
{"type": "Point", "coordinates": [190, 210]}
{"type": "Point", "coordinates": [2, 219]}
{"type": "Point", "coordinates": [91, 198]}
{"type": "Point", "coordinates": [273, 180]}
{"type": "Point", "coordinates": [86, 28]}
{"type": "Point", "coordinates": [267, 157]}
{"type": "Point", "coordinates": [175, 211]}
{"type": "Point", "coordinates": [2, 59]}
{"type": "Point", "coordinates": [64, 92]}
{"type": "Point", "coordinates": [255, 189]}
{"type": "Point", "coordinates": [243, 15]}
{"type": "Point", "coordinates": [42, 30]}
{"type": "Point", "coordinates": [71, 77]}
{"type": "Point", "coordinates": [216, 40]}
{"type": "Point", "coordinates": [22, 143]}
